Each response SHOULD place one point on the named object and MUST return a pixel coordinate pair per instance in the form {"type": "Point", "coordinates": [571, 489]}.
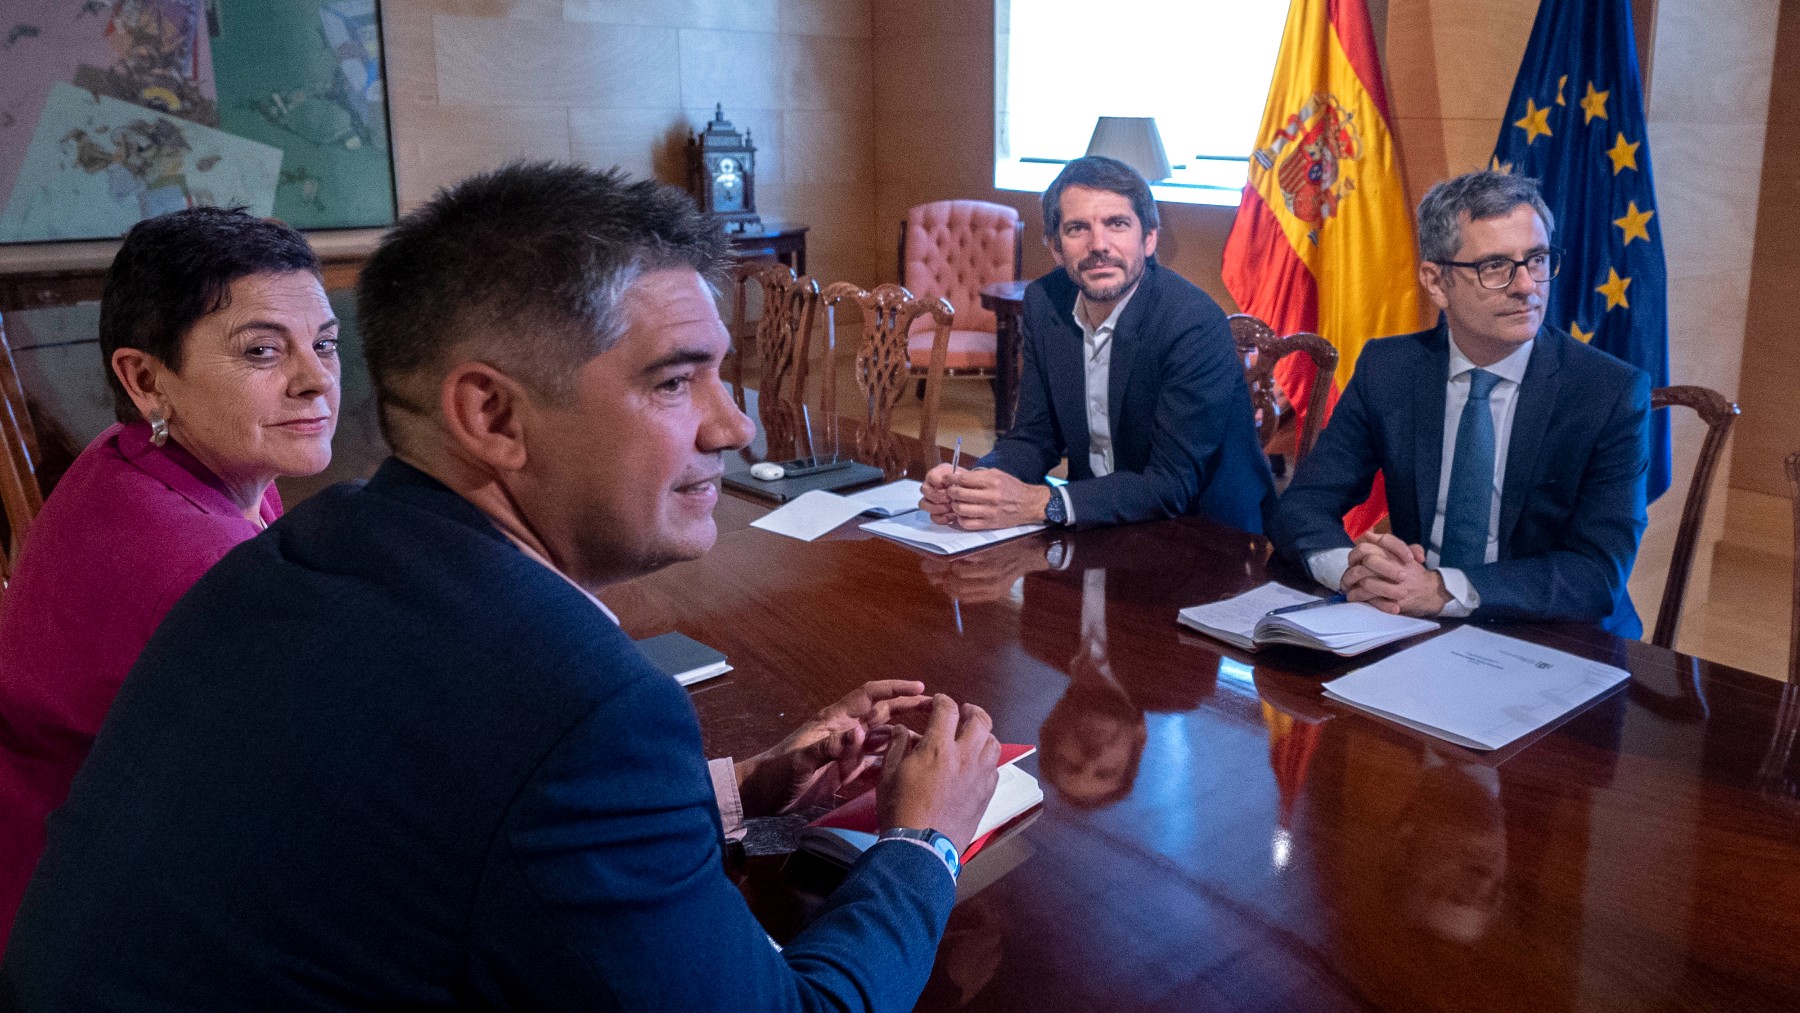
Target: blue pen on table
{"type": "Point", "coordinates": [1336, 599]}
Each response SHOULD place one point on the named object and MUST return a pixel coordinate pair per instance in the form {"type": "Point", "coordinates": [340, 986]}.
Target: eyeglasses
{"type": "Point", "coordinates": [1498, 272]}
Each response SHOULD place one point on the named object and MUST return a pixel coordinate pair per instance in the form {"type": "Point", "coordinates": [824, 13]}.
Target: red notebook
{"type": "Point", "coordinates": [844, 833]}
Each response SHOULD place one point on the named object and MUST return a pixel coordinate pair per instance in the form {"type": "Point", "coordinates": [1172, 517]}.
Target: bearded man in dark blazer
{"type": "Point", "coordinates": [1129, 372]}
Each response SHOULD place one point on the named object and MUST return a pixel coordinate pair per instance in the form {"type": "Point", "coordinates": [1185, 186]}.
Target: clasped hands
{"type": "Point", "coordinates": [981, 499]}
{"type": "Point", "coordinates": [1391, 575]}
{"type": "Point", "coordinates": [941, 779]}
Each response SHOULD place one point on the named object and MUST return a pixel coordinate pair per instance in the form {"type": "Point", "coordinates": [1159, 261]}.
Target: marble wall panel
{"type": "Point", "coordinates": [736, 15]}
{"type": "Point", "coordinates": [647, 143]}
{"type": "Point", "coordinates": [737, 68]}
{"type": "Point", "coordinates": [845, 18]}
{"type": "Point", "coordinates": [444, 144]}
{"type": "Point", "coordinates": [519, 62]}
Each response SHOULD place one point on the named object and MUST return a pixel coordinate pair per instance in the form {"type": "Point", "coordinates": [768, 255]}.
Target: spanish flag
{"type": "Point", "coordinates": [1323, 240]}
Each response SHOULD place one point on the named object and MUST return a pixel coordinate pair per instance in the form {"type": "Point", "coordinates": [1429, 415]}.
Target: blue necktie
{"type": "Point", "coordinates": [1471, 496]}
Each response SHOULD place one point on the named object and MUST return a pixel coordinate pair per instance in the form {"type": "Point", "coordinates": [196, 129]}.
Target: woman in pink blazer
{"type": "Point", "coordinates": [221, 352]}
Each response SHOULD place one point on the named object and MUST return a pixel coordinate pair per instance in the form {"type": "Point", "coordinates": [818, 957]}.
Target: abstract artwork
{"type": "Point", "coordinates": [112, 111]}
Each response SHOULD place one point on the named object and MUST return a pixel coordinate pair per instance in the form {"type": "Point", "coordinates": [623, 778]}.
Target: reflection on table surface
{"type": "Point", "coordinates": [1217, 835]}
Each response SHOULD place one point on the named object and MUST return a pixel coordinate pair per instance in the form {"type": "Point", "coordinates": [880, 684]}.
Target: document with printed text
{"type": "Point", "coordinates": [1476, 688]}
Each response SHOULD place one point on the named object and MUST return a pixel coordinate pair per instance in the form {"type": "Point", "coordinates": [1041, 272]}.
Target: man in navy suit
{"type": "Point", "coordinates": [394, 754]}
{"type": "Point", "coordinates": [1515, 456]}
{"type": "Point", "coordinates": [1129, 372]}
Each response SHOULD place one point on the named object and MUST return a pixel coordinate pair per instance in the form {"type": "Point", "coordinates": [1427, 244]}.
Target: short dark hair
{"type": "Point", "coordinates": [176, 268]}
{"type": "Point", "coordinates": [531, 261]}
{"type": "Point", "coordinates": [1097, 172]}
{"type": "Point", "coordinates": [1483, 195]}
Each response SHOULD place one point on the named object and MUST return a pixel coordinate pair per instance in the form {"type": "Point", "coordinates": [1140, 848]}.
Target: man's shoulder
{"type": "Point", "coordinates": [1588, 369]}
{"type": "Point", "coordinates": [1401, 352]}
{"type": "Point", "coordinates": [1173, 303]}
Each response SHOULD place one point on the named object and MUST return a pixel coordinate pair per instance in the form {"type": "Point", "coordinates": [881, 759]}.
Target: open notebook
{"type": "Point", "coordinates": [844, 833]}
{"type": "Point", "coordinates": [1346, 629]}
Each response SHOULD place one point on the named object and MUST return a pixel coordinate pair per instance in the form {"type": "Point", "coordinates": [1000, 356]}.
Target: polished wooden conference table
{"type": "Point", "coordinates": [1216, 835]}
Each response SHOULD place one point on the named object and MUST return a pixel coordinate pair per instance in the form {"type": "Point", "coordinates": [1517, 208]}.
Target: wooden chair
{"type": "Point", "coordinates": [783, 343]}
{"type": "Point", "coordinates": [740, 276]}
{"type": "Point", "coordinates": [882, 371]}
{"type": "Point", "coordinates": [20, 495]}
{"type": "Point", "coordinates": [1260, 349]}
{"type": "Point", "coordinates": [1718, 413]}
{"type": "Point", "coordinates": [1793, 477]}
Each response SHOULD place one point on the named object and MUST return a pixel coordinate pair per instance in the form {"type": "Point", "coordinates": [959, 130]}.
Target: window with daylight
{"type": "Point", "coordinates": [1200, 67]}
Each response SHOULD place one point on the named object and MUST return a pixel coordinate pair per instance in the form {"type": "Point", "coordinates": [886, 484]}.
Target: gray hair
{"type": "Point", "coordinates": [531, 265]}
{"type": "Point", "coordinates": [1482, 195]}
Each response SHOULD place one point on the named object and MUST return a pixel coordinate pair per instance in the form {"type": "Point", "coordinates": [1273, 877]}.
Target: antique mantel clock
{"type": "Point", "coordinates": [721, 173]}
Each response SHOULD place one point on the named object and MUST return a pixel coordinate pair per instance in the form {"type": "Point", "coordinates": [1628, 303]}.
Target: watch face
{"type": "Point", "coordinates": [727, 186]}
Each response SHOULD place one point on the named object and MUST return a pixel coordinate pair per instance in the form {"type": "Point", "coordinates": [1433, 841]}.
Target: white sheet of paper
{"type": "Point", "coordinates": [891, 499]}
{"type": "Point", "coordinates": [1476, 688]}
{"type": "Point", "coordinates": [918, 530]}
{"type": "Point", "coordinates": [809, 515]}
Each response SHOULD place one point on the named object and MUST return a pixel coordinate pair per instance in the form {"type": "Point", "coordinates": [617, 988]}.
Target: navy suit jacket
{"type": "Point", "coordinates": [378, 758]}
{"type": "Point", "coordinates": [1572, 507]}
{"type": "Point", "coordinates": [1183, 432]}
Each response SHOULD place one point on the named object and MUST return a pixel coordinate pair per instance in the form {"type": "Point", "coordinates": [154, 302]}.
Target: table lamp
{"type": "Point", "coordinates": [1134, 141]}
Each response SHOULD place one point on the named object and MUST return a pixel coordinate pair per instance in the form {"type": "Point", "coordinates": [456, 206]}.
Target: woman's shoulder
{"type": "Point", "coordinates": [108, 494]}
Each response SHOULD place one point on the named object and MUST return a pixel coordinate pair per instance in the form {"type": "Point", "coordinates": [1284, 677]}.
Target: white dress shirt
{"type": "Point", "coordinates": [1096, 360]}
{"type": "Point", "coordinates": [1328, 566]}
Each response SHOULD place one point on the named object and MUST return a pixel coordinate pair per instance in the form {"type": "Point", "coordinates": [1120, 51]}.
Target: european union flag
{"type": "Point", "coordinates": [1575, 122]}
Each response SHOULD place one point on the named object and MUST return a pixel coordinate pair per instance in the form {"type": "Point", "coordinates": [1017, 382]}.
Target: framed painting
{"type": "Point", "coordinates": [113, 111]}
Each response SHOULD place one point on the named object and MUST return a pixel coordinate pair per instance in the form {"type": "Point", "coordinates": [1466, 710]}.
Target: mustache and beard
{"type": "Point", "coordinates": [1098, 292]}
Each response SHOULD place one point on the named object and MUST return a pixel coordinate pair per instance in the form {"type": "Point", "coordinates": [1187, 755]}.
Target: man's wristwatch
{"type": "Point", "coordinates": [1056, 511]}
{"type": "Point", "coordinates": [931, 839]}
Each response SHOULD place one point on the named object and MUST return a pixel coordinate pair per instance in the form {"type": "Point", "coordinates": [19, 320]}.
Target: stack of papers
{"type": "Point", "coordinates": [1476, 688]}
{"type": "Point", "coordinates": [1344, 629]}
{"type": "Point", "coordinates": [818, 512]}
{"type": "Point", "coordinates": [917, 530]}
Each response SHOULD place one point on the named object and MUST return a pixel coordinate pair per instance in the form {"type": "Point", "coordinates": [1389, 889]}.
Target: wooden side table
{"type": "Point", "coordinates": [785, 243]}
{"type": "Point", "coordinates": [1006, 300]}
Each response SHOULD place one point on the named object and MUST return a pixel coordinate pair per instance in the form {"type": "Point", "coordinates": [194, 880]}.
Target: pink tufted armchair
{"type": "Point", "coordinates": [950, 249]}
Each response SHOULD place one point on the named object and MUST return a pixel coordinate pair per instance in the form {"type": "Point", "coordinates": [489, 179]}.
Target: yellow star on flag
{"type": "Point", "coordinates": [1623, 154]}
{"type": "Point", "coordinates": [1633, 223]}
{"type": "Point", "coordinates": [1499, 166]}
{"type": "Point", "coordinates": [1580, 335]}
{"type": "Point", "coordinates": [1561, 83]}
{"type": "Point", "coordinates": [1536, 121]}
{"type": "Point", "coordinates": [1614, 290]}
{"type": "Point", "coordinates": [1593, 104]}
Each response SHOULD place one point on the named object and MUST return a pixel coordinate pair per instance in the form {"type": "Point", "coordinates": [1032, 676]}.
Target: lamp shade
{"type": "Point", "coordinates": [1134, 141]}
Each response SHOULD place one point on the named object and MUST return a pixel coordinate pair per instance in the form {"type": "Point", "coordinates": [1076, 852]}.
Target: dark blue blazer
{"type": "Point", "coordinates": [378, 758]}
{"type": "Point", "coordinates": [1183, 432]}
{"type": "Point", "coordinates": [1572, 507]}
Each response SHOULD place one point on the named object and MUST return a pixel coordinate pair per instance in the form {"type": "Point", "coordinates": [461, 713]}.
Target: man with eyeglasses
{"type": "Point", "coordinates": [1515, 456]}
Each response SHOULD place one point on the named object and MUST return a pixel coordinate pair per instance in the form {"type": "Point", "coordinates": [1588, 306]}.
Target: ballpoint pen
{"type": "Point", "coordinates": [956, 458]}
{"type": "Point", "coordinates": [1336, 599]}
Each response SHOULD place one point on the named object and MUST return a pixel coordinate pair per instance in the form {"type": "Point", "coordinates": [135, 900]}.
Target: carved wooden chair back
{"type": "Point", "coordinates": [1260, 350]}
{"type": "Point", "coordinates": [1718, 412]}
{"type": "Point", "coordinates": [740, 276]}
{"type": "Point", "coordinates": [784, 342]}
{"type": "Point", "coordinates": [20, 495]}
{"type": "Point", "coordinates": [1793, 479]}
{"type": "Point", "coordinates": [882, 372]}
